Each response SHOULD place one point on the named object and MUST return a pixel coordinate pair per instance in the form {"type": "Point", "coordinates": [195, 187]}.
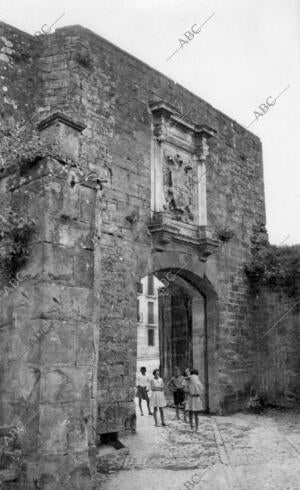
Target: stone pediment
{"type": "Point", "coordinates": [167, 120]}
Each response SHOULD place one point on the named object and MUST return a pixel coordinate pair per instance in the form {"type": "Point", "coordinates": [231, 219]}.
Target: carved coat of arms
{"type": "Point", "coordinates": [178, 187]}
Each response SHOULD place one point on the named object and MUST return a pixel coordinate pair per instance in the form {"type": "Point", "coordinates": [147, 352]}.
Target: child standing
{"type": "Point", "coordinates": [157, 398]}
{"type": "Point", "coordinates": [176, 385]}
{"type": "Point", "coordinates": [143, 386]}
{"type": "Point", "coordinates": [194, 402]}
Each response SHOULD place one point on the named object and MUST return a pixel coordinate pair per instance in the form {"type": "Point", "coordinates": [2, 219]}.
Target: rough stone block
{"type": "Point", "coordinates": [85, 344]}
{"type": "Point", "coordinates": [64, 384]}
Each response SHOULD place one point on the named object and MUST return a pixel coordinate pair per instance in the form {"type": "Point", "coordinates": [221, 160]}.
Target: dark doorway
{"type": "Point", "coordinates": [182, 329]}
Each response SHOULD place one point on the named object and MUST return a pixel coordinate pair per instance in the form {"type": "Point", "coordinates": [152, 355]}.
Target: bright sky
{"type": "Point", "coordinates": [247, 51]}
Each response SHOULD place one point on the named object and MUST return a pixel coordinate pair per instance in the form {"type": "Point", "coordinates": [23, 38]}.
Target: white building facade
{"type": "Point", "coordinates": [147, 327]}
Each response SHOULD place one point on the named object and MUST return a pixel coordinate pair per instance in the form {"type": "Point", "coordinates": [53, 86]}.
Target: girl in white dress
{"type": "Point", "coordinates": [157, 398]}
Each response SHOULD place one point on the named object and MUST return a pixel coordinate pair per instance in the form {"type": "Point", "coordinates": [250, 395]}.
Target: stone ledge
{"type": "Point", "coordinates": [165, 230]}
{"type": "Point", "coordinates": [62, 118]}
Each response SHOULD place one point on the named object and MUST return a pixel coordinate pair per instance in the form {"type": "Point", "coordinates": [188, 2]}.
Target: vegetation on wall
{"type": "Point", "coordinates": [15, 234]}
{"type": "Point", "coordinates": [275, 267]}
{"type": "Point", "coordinates": [225, 234]}
{"type": "Point", "coordinates": [22, 148]}
{"type": "Point", "coordinates": [19, 151]}
{"type": "Point", "coordinates": [22, 55]}
{"type": "Point", "coordinates": [84, 59]}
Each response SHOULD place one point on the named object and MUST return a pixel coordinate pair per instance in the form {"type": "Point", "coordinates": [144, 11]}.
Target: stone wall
{"type": "Point", "coordinates": [48, 351]}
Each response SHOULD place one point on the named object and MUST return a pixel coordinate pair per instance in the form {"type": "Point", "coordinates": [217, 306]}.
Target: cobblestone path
{"type": "Point", "coordinates": [242, 451]}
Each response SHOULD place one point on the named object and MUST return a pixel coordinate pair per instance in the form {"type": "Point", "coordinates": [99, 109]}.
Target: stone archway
{"type": "Point", "coordinates": [190, 276]}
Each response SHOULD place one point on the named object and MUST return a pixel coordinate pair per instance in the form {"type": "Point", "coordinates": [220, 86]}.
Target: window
{"type": "Point", "coordinates": [139, 315]}
{"type": "Point", "coordinates": [150, 337]}
{"type": "Point", "coordinates": [150, 312]}
{"type": "Point", "coordinates": [150, 285]}
{"type": "Point", "coordinates": [139, 287]}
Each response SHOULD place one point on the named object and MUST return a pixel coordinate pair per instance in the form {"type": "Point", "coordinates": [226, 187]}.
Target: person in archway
{"type": "Point", "coordinates": [157, 399]}
{"type": "Point", "coordinates": [186, 379]}
{"type": "Point", "coordinates": [176, 386]}
{"type": "Point", "coordinates": [143, 386]}
{"type": "Point", "coordinates": [194, 402]}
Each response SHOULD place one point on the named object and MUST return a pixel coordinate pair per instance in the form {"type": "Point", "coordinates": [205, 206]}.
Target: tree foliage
{"type": "Point", "coordinates": [275, 267]}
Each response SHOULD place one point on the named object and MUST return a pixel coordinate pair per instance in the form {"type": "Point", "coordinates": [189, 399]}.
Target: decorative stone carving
{"type": "Point", "coordinates": [178, 175]}
{"type": "Point", "coordinates": [178, 187]}
{"type": "Point", "coordinates": [203, 149]}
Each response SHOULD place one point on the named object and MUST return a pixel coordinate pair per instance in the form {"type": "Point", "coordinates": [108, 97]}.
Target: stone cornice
{"type": "Point", "coordinates": [162, 110]}
{"type": "Point", "coordinates": [62, 118]}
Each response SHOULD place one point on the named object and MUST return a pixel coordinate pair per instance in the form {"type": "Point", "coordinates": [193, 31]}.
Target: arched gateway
{"type": "Point", "coordinates": [188, 320]}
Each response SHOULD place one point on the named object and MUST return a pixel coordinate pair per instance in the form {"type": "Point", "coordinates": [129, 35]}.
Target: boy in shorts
{"type": "Point", "coordinates": [143, 386]}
